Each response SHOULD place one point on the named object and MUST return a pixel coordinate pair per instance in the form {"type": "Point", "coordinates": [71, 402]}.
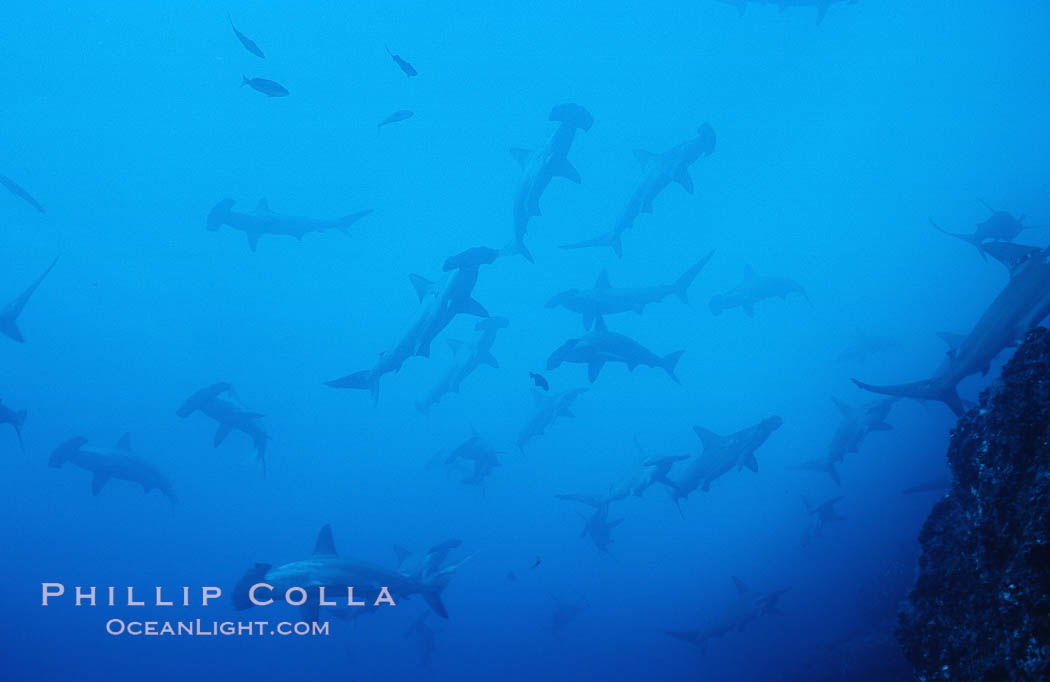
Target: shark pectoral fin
{"type": "Point", "coordinates": [751, 463]}
{"type": "Point", "coordinates": [309, 612]}
{"type": "Point", "coordinates": [588, 320]}
{"type": "Point", "coordinates": [98, 481]}
{"type": "Point", "coordinates": [221, 433]}
{"type": "Point", "coordinates": [563, 169]}
{"type": "Point", "coordinates": [520, 155]}
{"type": "Point", "coordinates": [594, 367]}
{"type": "Point", "coordinates": [683, 179]}
{"type": "Point", "coordinates": [645, 157]}
{"type": "Point", "coordinates": [470, 306]}
{"type": "Point", "coordinates": [490, 360]}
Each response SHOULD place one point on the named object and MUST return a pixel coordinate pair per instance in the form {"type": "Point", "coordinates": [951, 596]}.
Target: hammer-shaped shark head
{"type": "Point", "coordinates": [559, 355]}
{"type": "Point", "coordinates": [219, 214]}
{"type": "Point", "coordinates": [562, 298]}
{"type": "Point", "coordinates": [572, 114]}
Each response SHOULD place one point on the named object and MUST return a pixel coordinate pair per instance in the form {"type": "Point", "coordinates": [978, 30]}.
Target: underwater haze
{"type": "Point", "coordinates": [422, 272]}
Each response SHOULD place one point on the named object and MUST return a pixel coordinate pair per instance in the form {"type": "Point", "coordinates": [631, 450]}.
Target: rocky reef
{"type": "Point", "coordinates": [980, 609]}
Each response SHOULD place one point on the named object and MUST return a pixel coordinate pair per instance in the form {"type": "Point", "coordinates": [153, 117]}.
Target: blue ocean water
{"type": "Point", "coordinates": [836, 143]}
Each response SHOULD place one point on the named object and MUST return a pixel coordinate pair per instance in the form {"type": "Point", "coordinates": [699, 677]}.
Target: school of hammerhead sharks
{"type": "Point", "coordinates": [1022, 304]}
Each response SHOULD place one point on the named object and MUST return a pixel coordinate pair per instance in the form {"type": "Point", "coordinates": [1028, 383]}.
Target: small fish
{"type": "Point", "coordinates": [248, 43]}
{"type": "Point", "coordinates": [20, 193]}
{"type": "Point", "coordinates": [405, 66]}
{"type": "Point", "coordinates": [540, 381]}
{"type": "Point", "coordinates": [266, 87]}
{"type": "Point", "coordinates": [537, 564]}
{"type": "Point", "coordinates": [394, 118]}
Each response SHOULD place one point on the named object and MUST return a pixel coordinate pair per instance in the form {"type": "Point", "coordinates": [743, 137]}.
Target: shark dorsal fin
{"type": "Point", "coordinates": [124, 443]}
{"type": "Point", "coordinates": [599, 324]}
{"type": "Point", "coordinates": [645, 157]}
{"type": "Point", "coordinates": [263, 206]}
{"type": "Point", "coordinates": [709, 438]}
{"type": "Point", "coordinates": [325, 545]}
{"type": "Point", "coordinates": [845, 409]}
{"type": "Point", "coordinates": [421, 284]}
{"type": "Point", "coordinates": [603, 280]}
{"type": "Point", "coordinates": [741, 588]}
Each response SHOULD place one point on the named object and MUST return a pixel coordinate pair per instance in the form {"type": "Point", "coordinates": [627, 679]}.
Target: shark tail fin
{"type": "Point", "coordinates": [670, 361]}
{"type": "Point", "coordinates": [63, 451]}
{"type": "Point", "coordinates": [920, 390]}
{"type": "Point", "coordinates": [612, 239]}
{"type": "Point", "coordinates": [517, 248]}
{"type": "Point", "coordinates": [348, 220]}
{"type": "Point", "coordinates": [682, 284]}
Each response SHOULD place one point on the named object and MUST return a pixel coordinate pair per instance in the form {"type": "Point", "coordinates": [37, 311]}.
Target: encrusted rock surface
{"type": "Point", "coordinates": [980, 609]}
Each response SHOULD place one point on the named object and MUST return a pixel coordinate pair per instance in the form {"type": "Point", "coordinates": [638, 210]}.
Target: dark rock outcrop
{"type": "Point", "coordinates": [980, 609]}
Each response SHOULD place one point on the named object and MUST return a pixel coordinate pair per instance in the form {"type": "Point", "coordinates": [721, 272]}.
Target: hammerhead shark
{"type": "Point", "coordinates": [479, 453]}
{"type": "Point", "coordinates": [326, 569]}
{"type": "Point", "coordinates": [541, 165]}
{"type": "Point", "coordinates": [264, 221]}
{"type": "Point", "coordinates": [1021, 305]}
{"type": "Point", "coordinates": [219, 402]}
{"type": "Point", "coordinates": [15, 418]}
{"type": "Point", "coordinates": [467, 356]}
{"type": "Point", "coordinates": [118, 461]}
{"type": "Point", "coordinates": [438, 305]}
{"type": "Point", "coordinates": [747, 607]}
{"type": "Point", "coordinates": [597, 526]}
{"type": "Point", "coordinates": [660, 171]}
{"type": "Point", "coordinates": [754, 289]}
{"type": "Point", "coordinates": [821, 5]}
{"type": "Point", "coordinates": [547, 408]}
{"type": "Point", "coordinates": [604, 299]}
{"type": "Point", "coordinates": [823, 514]}
{"type": "Point", "coordinates": [565, 612]}
{"type": "Point", "coordinates": [9, 313]}
{"type": "Point", "coordinates": [721, 455]}
{"type": "Point", "coordinates": [1000, 227]}
{"type": "Point", "coordinates": [853, 428]}
{"type": "Point", "coordinates": [599, 346]}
